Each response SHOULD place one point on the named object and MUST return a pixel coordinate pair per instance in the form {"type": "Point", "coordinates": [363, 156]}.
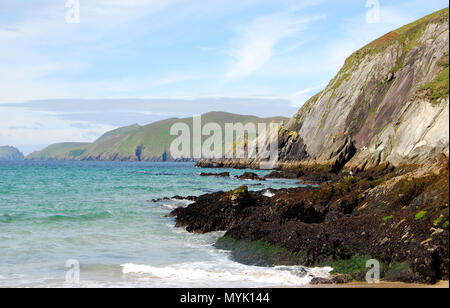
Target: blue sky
{"type": "Point", "coordinates": [180, 57]}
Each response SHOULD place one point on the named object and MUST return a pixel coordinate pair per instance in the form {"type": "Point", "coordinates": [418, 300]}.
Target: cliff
{"type": "Point", "coordinates": [10, 153]}
{"type": "Point", "coordinates": [388, 104]}
{"type": "Point", "coordinates": [384, 117]}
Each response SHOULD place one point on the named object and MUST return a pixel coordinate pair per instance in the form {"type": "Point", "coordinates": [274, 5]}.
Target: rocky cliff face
{"type": "Point", "coordinates": [387, 107]}
{"type": "Point", "coordinates": [10, 153]}
{"type": "Point", "coordinates": [389, 103]}
{"type": "Point", "coordinates": [385, 102]}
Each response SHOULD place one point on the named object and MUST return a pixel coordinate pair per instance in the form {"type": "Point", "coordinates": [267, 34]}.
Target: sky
{"type": "Point", "coordinates": [71, 77]}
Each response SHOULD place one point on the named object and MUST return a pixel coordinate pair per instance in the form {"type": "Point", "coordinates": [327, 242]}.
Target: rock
{"type": "Point", "coordinates": [240, 197]}
{"type": "Point", "coordinates": [338, 221]}
{"type": "Point", "coordinates": [250, 176]}
{"type": "Point", "coordinates": [306, 176]}
{"type": "Point", "coordinates": [204, 163]}
{"type": "Point", "coordinates": [338, 279]}
{"type": "Point", "coordinates": [223, 174]}
{"type": "Point", "coordinates": [214, 212]}
{"type": "Point", "coordinates": [284, 174]}
{"type": "Point", "coordinates": [318, 281]}
{"type": "Point", "coordinates": [190, 198]}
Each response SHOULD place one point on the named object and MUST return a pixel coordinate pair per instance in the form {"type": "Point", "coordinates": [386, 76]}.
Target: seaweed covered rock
{"type": "Point", "coordinates": [250, 176]}
{"type": "Point", "coordinates": [222, 174]}
{"type": "Point", "coordinates": [400, 219]}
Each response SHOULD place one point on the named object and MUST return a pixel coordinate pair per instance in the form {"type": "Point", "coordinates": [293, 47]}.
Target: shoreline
{"type": "Point", "coordinates": [376, 214]}
{"type": "Point", "coordinates": [443, 284]}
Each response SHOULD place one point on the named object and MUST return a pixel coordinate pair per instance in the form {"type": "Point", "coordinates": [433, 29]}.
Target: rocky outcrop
{"type": "Point", "coordinates": [222, 174]}
{"type": "Point", "coordinates": [388, 104]}
{"type": "Point", "coordinates": [10, 153]}
{"type": "Point", "coordinates": [250, 176]}
{"type": "Point", "coordinates": [399, 218]}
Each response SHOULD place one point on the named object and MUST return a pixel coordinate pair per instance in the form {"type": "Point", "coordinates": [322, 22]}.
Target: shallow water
{"type": "Point", "coordinates": [100, 214]}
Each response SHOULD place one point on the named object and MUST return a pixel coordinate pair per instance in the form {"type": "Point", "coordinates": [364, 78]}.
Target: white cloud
{"type": "Point", "coordinates": [329, 56]}
{"type": "Point", "coordinates": [300, 97]}
{"type": "Point", "coordinates": [14, 131]}
{"type": "Point", "coordinates": [255, 44]}
{"type": "Point", "coordinates": [24, 83]}
{"type": "Point", "coordinates": [25, 68]}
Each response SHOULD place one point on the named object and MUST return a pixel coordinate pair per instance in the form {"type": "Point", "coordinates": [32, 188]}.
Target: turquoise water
{"type": "Point", "coordinates": [101, 214]}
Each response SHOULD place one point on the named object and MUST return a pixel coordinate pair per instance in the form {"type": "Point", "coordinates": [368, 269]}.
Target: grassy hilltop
{"type": "Point", "coordinates": [134, 143]}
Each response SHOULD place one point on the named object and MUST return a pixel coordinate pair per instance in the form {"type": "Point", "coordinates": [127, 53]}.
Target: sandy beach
{"type": "Point", "coordinates": [384, 284]}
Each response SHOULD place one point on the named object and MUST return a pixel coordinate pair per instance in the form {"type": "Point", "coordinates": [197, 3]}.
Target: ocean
{"type": "Point", "coordinates": [100, 214]}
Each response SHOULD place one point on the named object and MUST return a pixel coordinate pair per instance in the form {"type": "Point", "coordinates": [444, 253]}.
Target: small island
{"type": "Point", "coordinates": [10, 153]}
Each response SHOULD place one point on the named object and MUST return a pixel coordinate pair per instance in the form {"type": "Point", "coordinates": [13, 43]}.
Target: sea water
{"type": "Point", "coordinates": [101, 215]}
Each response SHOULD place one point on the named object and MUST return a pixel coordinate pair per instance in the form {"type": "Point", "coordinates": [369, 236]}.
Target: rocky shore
{"type": "Point", "coordinates": [398, 216]}
{"type": "Point", "coordinates": [371, 141]}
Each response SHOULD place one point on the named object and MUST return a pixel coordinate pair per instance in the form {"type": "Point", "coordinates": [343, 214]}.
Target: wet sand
{"type": "Point", "coordinates": [384, 284]}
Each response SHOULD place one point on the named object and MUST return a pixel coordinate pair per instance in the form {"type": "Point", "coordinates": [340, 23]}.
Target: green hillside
{"type": "Point", "coordinates": [134, 143]}
{"type": "Point", "coordinates": [122, 131]}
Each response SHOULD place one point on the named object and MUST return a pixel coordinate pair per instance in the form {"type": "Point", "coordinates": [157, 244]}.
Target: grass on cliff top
{"type": "Point", "coordinates": [407, 36]}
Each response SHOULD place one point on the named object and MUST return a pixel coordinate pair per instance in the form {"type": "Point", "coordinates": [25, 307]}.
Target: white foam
{"type": "Point", "coordinates": [171, 206]}
{"type": "Point", "coordinates": [183, 201]}
{"type": "Point", "coordinates": [231, 273]}
{"type": "Point", "coordinates": [267, 193]}
{"type": "Point", "coordinates": [176, 203]}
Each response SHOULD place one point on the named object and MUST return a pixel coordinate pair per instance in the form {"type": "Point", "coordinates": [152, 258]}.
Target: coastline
{"type": "Point", "coordinates": [342, 222]}
{"type": "Point", "coordinates": [266, 192]}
